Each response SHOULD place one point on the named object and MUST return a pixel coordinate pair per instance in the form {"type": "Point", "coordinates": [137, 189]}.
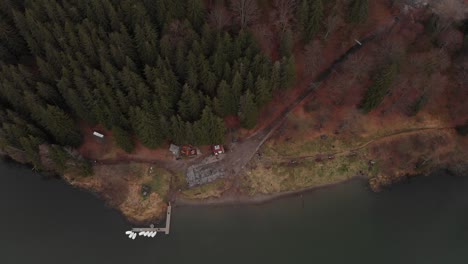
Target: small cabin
{"type": "Point", "coordinates": [217, 149]}
{"type": "Point", "coordinates": [174, 149]}
{"type": "Point", "coordinates": [188, 151]}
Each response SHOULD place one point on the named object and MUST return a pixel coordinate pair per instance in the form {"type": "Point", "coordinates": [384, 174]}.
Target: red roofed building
{"type": "Point", "coordinates": [217, 149]}
{"type": "Point", "coordinates": [188, 151]}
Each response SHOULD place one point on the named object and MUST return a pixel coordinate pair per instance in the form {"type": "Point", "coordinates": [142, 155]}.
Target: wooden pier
{"type": "Point", "coordinates": [158, 229]}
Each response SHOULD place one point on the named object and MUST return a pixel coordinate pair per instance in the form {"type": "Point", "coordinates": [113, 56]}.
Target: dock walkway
{"type": "Point", "coordinates": [158, 229]}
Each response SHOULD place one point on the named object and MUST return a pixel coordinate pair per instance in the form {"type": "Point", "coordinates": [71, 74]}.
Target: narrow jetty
{"type": "Point", "coordinates": [158, 229]}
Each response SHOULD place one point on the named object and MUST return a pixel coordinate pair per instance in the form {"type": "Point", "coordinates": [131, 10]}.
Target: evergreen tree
{"type": "Point", "coordinates": [123, 139]}
{"type": "Point", "coordinates": [249, 111]}
{"type": "Point", "coordinates": [287, 43]}
{"type": "Point", "coordinates": [379, 88]}
{"type": "Point", "coordinates": [30, 145]}
{"type": "Point", "coordinates": [237, 87]}
{"type": "Point", "coordinates": [147, 127]}
{"type": "Point", "coordinates": [227, 99]}
{"type": "Point", "coordinates": [359, 11]}
{"type": "Point", "coordinates": [59, 157]}
{"type": "Point", "coordinates": [209, 129]}
{"type": "Point", "coordinates": [190, 104]}
{"type": "Point", "coordinates": [60, 126]}
{"type": "Point", "coordinates": [315, 19]}
{"type": "Point", "coordinates": [262, 92]}
{"type": "Point", "coordinates": [249, 82]}
{"type": "Point", "coordinates": [303, 15]}
{"type": "Point", "coordinates": [275, 77]}
{"type": "Point", "coordinates": [178, 131]}
{"type": "Point", "coordinates": [288, 72]}
{"type": "Point", "coordinates": [195, 12]}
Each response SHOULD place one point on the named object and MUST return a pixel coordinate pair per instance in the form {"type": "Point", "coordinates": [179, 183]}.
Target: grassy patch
{"type": "Point", "coordinates": [280, 176]}
{"type": "Point", "coordinates": [158, 180]}
{"type": "Point", "coordinates": [179, 181]}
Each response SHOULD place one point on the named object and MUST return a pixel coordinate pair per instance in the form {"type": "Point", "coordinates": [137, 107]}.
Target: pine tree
{"type": "Point", "coordinates": [303, 15]}
{"type": "Point", "coordinates": [249, 82]}
{"type": "Point", "coordinates": [207, 39]}
{"type": "Point", "coordinates": [59, 157]}
{"type": "Point", "coordinates": [190, 104]}
{"type": "Point", "coordinates": [359, 11]}
{"type": "Point", "coordinates": [209, 129]}
{"type": "Point", "coordinates": [315, 19]}
{"type": "Point", "coordinates": [192, 77]}
{"type": "Point", "coordinates": [249, 111]}
{"type": "Point", "coordinates": [147, 127]}
{"type": "Point", "coordinates": [30, 145]}
{"type": "Point", "coordinates": [237, 87]}
{"type": "Point", "coordinates": [227, 100]}
{"type": "Point", "coordinates": [262, 92]}
{"type": "Point", "coordinates": [195, 12]}
{"type": "Point", "coordinates": [60, 126]}
{"type": "Point", "coordinates": [288, 72]}
{"type": "Point", "coordinates": [123, 139]}
{"type": "Point", "coordinates": [287, 43]}
{"type": "Point", "coordinates": [377, 91]}
{"type": "Point", "coordinates": [189, 133]}
{"type": "Point", "coordinates": [275, 76]}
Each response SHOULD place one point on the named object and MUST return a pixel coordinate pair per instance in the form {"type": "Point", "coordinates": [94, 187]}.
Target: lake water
{"type": "Point", "coordinates": [426, 221]}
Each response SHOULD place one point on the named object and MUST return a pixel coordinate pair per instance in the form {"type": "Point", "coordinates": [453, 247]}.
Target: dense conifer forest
{"type": "Point", "coordinates": [150, 68]}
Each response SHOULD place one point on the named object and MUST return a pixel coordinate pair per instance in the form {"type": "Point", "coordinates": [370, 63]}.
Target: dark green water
{"type": "Point", "coordinates": [46, 221]}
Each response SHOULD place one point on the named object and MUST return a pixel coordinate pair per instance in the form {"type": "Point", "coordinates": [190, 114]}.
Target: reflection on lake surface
{"type": "Point", "coordinates": [46, 221]}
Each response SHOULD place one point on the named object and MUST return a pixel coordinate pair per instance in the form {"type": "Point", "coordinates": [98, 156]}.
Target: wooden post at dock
{"type": "Point", "coordinates": [158, 229]}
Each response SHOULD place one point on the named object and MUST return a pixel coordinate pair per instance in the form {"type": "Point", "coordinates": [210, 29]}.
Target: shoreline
{"type": "Point", "coordinates": [266, 198]}
{"type": "Point", "coordinates": [459, 169]}
{"type": "Point", "coordinates": [257, 199]}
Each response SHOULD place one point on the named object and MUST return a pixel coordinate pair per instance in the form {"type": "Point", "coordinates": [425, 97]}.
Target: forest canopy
{"type": "Point", "coordinates": [156, 69]}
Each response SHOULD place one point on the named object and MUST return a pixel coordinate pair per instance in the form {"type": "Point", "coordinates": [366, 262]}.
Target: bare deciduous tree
{"type": "Point", "coordinates": [451, 40]}
{"type": "Point", "coordinates": [219, 17]}
{"type": "Point", "coordinates": [283, 14]}
{"type": "Point", "coordinates": [245, 11]}
{"type": "Point", "coordinates": [358, 65]}
{"type": "Point", "coordinates": [462, 70]}
{"type": "Point", "coordinates": [313, 57]}
{"type": "Point", "coordinates": [332, 23]}
{"type": "Point", "coordinates": [335, 19]}
{"type": "Point", "coordinates": [264, 35]}
{"type": "Point", "coordinates": [450, 10]}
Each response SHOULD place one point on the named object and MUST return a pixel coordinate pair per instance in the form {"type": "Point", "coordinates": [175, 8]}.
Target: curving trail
{"type": "Point", "coordinates": [372, 141]}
